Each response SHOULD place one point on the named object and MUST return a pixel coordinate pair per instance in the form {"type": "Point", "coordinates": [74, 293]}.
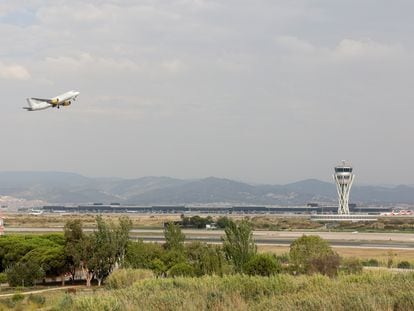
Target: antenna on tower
{"type": "Point", "coordinates": [343, 178]}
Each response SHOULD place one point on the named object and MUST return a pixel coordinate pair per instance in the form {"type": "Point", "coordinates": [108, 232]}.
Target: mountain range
{"type": "Point", "coordinates": [60, 187]}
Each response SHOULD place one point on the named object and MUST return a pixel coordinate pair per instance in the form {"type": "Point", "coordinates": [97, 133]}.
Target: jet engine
{"type": "Point", "coordinates": [54, 100]}
{"type": "Point", "coordinates": [66, 103]}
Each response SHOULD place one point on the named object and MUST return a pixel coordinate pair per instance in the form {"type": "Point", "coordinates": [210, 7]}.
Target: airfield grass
{"type": "Point", "coordinates": [373, 290]}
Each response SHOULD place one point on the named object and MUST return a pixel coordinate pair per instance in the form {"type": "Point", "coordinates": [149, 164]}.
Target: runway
{"type": "Point", "coordinates": [336, 239]}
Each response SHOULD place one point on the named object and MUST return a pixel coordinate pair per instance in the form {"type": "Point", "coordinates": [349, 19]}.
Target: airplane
{"type": "Point", "coordinates": [64, 99]}
{"type": "Point", "coordinates": [36, 212]}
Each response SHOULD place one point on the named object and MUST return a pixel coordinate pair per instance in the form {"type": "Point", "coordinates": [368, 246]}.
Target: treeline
{"type": "Point", "coordinates": [27, 258]}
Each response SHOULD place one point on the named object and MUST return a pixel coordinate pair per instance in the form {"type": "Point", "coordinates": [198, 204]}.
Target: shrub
{"type": "Point", "coordinates": [17, 297]}
{"type": "Point", "coordinates": [262, 264]}
{"type": "Point", "coordinates": [310, 253]}
{"type": "Point", "coordinates": [3, 277]}
{"type": "Point", "coordinates": [404, 265]}
{"type": "Point", "coordinates": [65, 303]}
{"type": "Point", "coordinates": [206, 259]}
{"type": "Point", "coordinates": [158, 266]}
{"type": "Point", "coordinates": [327, 264]}
{"type": "Point", "coordinates": [181, 269]}
{"type": "Point", "coordinates": [223, 222]}
{"type": "Point", "coordinates": [37, 299]}
{"type": "Point", "coordinates": [122, 278]}
{"type": "Point", "coordinates": [351, 265]}
{"type": "Point", "coordinates": [93, 303]}
{"type": "Point", "coordinates": [283, 258]}
{"type": "Point", "coordinates": [370, 263]}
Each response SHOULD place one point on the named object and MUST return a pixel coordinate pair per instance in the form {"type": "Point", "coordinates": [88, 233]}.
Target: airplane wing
{"type": "Point", "coordinates": [47, 100]}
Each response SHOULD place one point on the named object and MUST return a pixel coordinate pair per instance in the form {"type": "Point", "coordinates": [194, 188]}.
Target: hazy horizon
{"type": "Point", "coordinates": [266, 92]}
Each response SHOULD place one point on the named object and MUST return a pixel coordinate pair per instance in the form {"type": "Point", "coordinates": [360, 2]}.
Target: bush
{"type": "Point", "coordinates": [17, 297]}
{"type": "Point", "coordinates": [122, 278]}
{"type": "Point", "coordinates": [37, 299]}
{"type": "Point", "coordinates": [158, 266]}
{"type": "Point", "coordinates": [222, 222]}
{"type": "Point", "coordinates": [370, 263]}
{"type": "Point", "coordinates": [206, 259]}
{"type": "Point", "coordinates": [181, 269]}
{"type": "Point", "coordinates": [262, 264]}
{"type": "Point", "coordinates": [404, 265]}
{"type": "Point", "coordinates": [65, 303]}
{"type": "Point", "coordinates": [351, 265]}
{"type": "Point", "coordinates": [310, 253]}
{"type": "Point", "coordinates": [327, 264]}
{"type": "Point", "coordinates": [3, 277]}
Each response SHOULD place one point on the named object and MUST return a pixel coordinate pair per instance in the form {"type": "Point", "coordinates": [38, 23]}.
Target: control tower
{"type": "Point", "coordinates": [343, 178]}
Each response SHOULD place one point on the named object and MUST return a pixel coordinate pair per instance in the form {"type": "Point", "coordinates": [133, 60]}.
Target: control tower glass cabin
{"type": "Point", "coordinates": [343, 178]}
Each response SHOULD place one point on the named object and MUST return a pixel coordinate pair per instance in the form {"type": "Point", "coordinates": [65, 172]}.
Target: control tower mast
{"type": "Point", "coordinates": [343, 178]}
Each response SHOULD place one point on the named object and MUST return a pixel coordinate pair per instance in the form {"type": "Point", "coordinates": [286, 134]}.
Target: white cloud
{"type": "Point", "coordinates": [13, 72]}
{"type": "Point", "coordinates": [351, 49]}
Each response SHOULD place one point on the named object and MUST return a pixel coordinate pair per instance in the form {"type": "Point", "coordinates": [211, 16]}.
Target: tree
{"type": "Point", "coordinates": [74, 238]}
{"type": "Point", "coordinates": [24, 274]}
{"type": "Point", "coordinates": [99, 253]}
{"type": "Point", "coordinates": [140, 255]}
{"type": "Point", "coordinates": [109, 243]}
{"type": "Point", "coordinates": [122, 238]}
{"type": "Point", "coordinates": [262, 264]}
{"type": "Point", "coordinates": [223, 222]}
{"type": "Point", "coordinates": [174, 238]}
{"type": "Point", "coordinates": [52, 260]}
{"type": "Point", "coordinates": [307, 252]}
{"type": "Point", "coordinates": [79, 250]}
{"type": "Point", "coordinates": [238, 244]}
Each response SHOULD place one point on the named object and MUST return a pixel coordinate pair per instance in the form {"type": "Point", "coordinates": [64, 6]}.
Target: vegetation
{"type": "Point", "coordinates": [196, 221]}
{"type": "Point", "coordinates": [351, 265]}
{"type": "Point", "coordinates": [312, 254]}
{"type": "Point", "coordinates": [24, 274]}
{"type": "Point", "coordinates": [192, 276]}
{"type": "Point", "coordinates": [123, 278]}
{"type": "Point", "coordinates": [174, 238]}
{"type": "Point", "coordinates": [96, 254]}
{"type": "Point", "coordinates": [404, 265]}
{"type": "Point", "coordinates": [368, 291]}
{"type": "Point", "coordinates": [238, 244]}
{"type": "Point", "coordinates": [262, 264]}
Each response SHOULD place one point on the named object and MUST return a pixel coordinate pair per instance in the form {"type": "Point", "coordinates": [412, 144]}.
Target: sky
{"type": "Point", "coordinates": [256, 91]}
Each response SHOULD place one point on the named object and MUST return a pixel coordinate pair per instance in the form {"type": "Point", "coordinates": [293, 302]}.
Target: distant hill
{"type": "Point", "coordinates": [61, 187]}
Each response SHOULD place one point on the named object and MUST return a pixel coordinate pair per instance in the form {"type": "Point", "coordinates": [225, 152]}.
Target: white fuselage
{"type": "Point", "coordinates": [64, 99]}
